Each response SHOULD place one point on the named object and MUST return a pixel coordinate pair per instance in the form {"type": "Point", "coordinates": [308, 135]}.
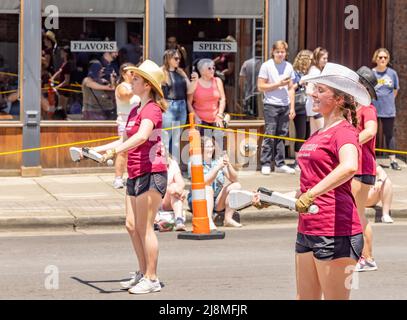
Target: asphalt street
{"type": "Point", "coordinates": [256, 262]}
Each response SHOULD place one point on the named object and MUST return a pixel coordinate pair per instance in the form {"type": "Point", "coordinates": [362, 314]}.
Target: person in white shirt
{"type": "Point", "coordinates": [125, 101]}
{"type": "Point", "coordinates": [275, 80]}
{"type": "Point", "coordinates": [319, 60]}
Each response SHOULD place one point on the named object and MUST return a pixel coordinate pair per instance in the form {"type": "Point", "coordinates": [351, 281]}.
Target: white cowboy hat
{"type": "Point", "coordinates": [151, 72]}
{"type": "Point", "coordinates": [343, 79]}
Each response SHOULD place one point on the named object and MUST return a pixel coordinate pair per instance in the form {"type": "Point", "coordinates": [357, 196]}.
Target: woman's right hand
{"type": "Point", "coordinates": [284, 82]}
{"type": "Point", "coordinates": [257, 203]}
{"type": "Point", "coordinates": [194, 76]}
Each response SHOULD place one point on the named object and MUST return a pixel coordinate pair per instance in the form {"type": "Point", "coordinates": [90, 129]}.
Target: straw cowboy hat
{"type": "Point", "coordinates": [344, 79]}
{"type": "Point", "coordinates": [151, 72]}
{"type": "Point", "coordinates": [368, 79]}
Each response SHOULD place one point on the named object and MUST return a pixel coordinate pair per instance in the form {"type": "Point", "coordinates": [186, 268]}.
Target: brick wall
{"type": "Point", "coordinates": [399, 57]}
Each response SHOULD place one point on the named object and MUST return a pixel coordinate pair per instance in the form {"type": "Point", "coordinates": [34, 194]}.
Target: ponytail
{"type": "Point", "coordinates": [159, 100]}
{"type": "Point", "coordinates": [348, 108]}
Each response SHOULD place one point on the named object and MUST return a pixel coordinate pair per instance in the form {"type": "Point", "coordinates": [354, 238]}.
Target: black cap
{"type": "Point", "coordinates": [368, 79]}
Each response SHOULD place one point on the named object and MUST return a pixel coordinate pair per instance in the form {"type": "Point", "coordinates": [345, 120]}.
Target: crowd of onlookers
{"type": "Point", "coordinates": [96, 86]}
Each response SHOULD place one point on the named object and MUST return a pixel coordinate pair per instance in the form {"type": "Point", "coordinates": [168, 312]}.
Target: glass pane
{"type": "Point", "coordinates": [9, 100]}
{"type": "Point", "coordinates": [237, 64]}
{"type": "Point", "coordinates": [81, 63]}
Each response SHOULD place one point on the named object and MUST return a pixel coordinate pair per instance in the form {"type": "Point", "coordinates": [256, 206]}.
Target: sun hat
{"type": "Point", "coordinates": [368, 79]}
{"type": "Point", "coordinates": [151, 72]}
{"type": "Point", "coordinates": [343, 79]}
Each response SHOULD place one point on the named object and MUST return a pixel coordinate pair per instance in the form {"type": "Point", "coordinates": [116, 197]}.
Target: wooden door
{"type": "Point", "coordinates": [322, 23]}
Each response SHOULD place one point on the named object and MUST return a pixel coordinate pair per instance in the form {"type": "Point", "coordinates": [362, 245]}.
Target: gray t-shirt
{"type": "Point", "coordinates": [250, 71]}
{"type": "Point", "coordinates": [387, 82]}
{"type": "Point", "coordinates": [273, 73]}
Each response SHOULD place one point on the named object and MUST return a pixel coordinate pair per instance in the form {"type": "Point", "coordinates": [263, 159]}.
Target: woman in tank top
{"type": "Point", "coordinates": [125, 101]}
{"type": "Point", "coordinates": [175, 87]}
{"type": "Point", "coordinates": [207, 96]}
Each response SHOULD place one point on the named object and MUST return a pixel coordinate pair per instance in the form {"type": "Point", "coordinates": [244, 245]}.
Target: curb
{"type": "Point", "coordinates": [68, 220]}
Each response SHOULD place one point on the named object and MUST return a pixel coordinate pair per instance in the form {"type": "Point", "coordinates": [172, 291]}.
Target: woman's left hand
{"type": "Point", "coordinates": [219, 122]}
{"type": "Point", "coordinates": [292, 114]}
{"type": "Point", "coordinates": [109, 154]}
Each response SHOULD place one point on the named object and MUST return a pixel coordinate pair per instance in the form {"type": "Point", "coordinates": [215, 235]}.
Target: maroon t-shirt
{"type": "Point", "coordinates": [147, 157]}
{"type": "Point", "coordinates": [318, 157]}
{"type": "Point", "coordinates": [368, 166]}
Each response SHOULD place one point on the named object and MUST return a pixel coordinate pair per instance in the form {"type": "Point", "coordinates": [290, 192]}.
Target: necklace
{"type": "Point", "coordinates": [334, 123]}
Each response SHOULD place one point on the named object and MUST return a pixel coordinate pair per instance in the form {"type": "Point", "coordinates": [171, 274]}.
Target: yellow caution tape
{"type": "Point", "coordinates": [75, 143]}
{"type": "Point", "coordinates": [10, 91]}
{"type": "Point", "coordinates": [180, 127]}
{"type": "Point", "coordinates": [9, 74]}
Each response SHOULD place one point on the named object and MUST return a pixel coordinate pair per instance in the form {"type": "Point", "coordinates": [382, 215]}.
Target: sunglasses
{"type": "Point", "coordinates": [177, 58]}
{"type": "Point", "coordinates": [211, 68]}
{"type": "Point", "coordinates": [382, 57]}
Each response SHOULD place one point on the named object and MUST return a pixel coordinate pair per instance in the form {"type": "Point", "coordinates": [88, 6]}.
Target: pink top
{"type": "Point", "coordinates": [368, 166]}
{"type": "Point", "coordinates": [147, 157]}
{"type": "Point", "coordinates": [319, 155]}
{"type": "Point", "coordinates": [206, 101]}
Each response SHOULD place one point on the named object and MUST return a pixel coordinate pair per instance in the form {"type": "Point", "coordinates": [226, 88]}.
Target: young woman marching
{"type": "Point", "coordinates": [366, 176]}
{"type": "Point", "coordinates": [147, 170]}
{"type": "Point", "coordinates": [330, 242]}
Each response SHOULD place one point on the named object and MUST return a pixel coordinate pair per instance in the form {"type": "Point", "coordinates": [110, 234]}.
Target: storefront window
{"type": "Point", "coordinates": [9, 97]}
{"type": "Point", "coordinates": [236, 47]}
{"type": "Point", "coordinates": [81, 58]}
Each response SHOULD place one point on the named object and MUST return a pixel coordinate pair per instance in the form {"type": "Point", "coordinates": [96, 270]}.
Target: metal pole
{"type": "Point", "coordinates": [30, 69]}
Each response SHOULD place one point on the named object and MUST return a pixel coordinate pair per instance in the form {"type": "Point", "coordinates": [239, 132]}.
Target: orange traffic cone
{"type": "Point", "coordinates": [200, 220]}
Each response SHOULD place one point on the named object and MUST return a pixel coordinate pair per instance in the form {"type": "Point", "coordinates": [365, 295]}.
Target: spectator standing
{"type": "Point", "coordinates": [276, 82]}
{"type": "Point", "coordinates": [206, 98]}
{"type": "Point", "coordinates": [97, 101]}
{"type": "Point", "coordinates": [248, 81]}
{"type": "Point", "coordinates": [175, 88]}
{"type": "Point", "coordinates": [134, 49]}
{"type": "Point", "coordinates": [319, 60]}
{"type": "Point", "coordinates": [62, 78]}
{"type": "Point", "coordinates": [302, 63]}
{"type": "Point", "coordinates": [126, 100]}
{"type": "Point", "coordinates": [110, 65]}
{"type": "Point", "coordinates": [386, 90]}
{"type": "Point", "coordinates": [172, 43]}
{"type": "Point", "coordinates": [48, 51]}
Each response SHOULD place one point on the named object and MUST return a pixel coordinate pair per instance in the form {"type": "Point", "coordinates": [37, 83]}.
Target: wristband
{"type": "Point", "coordinates": [220, 115]}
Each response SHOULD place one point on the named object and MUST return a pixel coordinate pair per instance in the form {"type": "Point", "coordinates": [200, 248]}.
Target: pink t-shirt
{"type": "Point", "coordinates": [368, 166]}
{"type": "Point", "coordinates": [206, 101]}
{"type": "Point", "coordinates": [148, 156]}
{"type": "Point", "coordinates": [318, 156]}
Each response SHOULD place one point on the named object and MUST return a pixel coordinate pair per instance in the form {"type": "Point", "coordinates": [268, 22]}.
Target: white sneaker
{"type": "Point", "coordinates": [265, 170]}
{"type": "Point", "coordinates": [118, 183]}
{"type": "Point", "coordinates": [146, 286]}
{"type": "Point", "coordinates": [297, 168]}
{"type": "Point", "coordinates": [135, 278]}
{"type": "Point", "coordinates": [285, 169]}
{"type": "Point", "coordinates": [387, 219]}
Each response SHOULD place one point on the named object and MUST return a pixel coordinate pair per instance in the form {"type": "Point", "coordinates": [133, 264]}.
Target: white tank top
{"type": "Point", "coordinates": [124, 107]}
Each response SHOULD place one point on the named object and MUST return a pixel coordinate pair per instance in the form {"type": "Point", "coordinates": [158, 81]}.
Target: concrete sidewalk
{"type": "Point", "coordinates": [69, 202]}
